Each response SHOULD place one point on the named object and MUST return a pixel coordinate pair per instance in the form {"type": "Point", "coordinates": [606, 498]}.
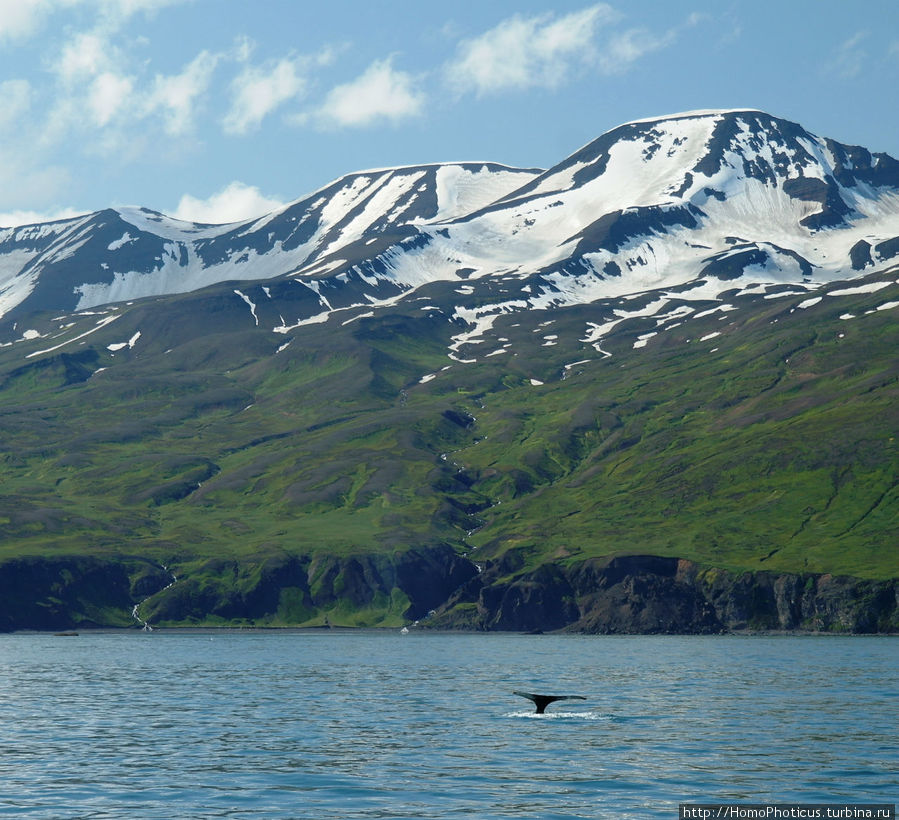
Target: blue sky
{"type": "Point", "coordinates": [224, 109]}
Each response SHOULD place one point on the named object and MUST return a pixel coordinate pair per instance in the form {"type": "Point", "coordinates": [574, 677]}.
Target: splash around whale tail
{"type": "Point", "coordinates": [542, 701]}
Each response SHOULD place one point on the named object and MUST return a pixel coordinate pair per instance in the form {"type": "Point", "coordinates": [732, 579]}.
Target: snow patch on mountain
{"type": "Point", "coordinates": [461, 189]}
{"type": "Point", "coordinates": [120, 243]}
{"type": "Point", "coordinates": [181, 270]}
{"type": "Point", "coordinates": [868, 287]}
{"type": "Point", "coordinates": [116, 346]}
{"type": "Point", "coordinates": [101, 323]}
{"type": "Point", "coordinates": [17, 280]}
{"type": "Point", "coordinates": [250, 303]}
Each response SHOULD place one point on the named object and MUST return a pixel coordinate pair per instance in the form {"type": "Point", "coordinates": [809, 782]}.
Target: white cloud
{"type": "Point", "coordinates": [98, 48]}
{"type": "Point", "coordinates": [380, 92]}
{"type": "Point", "coordinates": [12, 219]}
{"type": "Point", "coordinates": [108, 94]}
{"type": "Point", "coordinates": [625, 48]}
{"type": "Point", "coordinates": [86, 55]}
{"type": "Point", "coordinates": [850, 57]}
{"type": "Point", "coordinates": [99, 80]}
{"type": "Point", "coordinates": [243, 49]}
{"type": "Point", "coordinates": [524, 52]}
{"type": "Point", "coordinates": [259, 91]}
{"type": "Point", "coordinates": [177, 95]}
{"type": "Point", "coordinates": [128, 8]}
{"type": "Point", "coordinates": [21, 18]}
{"type": "Point", "coordinates": [234, 203]}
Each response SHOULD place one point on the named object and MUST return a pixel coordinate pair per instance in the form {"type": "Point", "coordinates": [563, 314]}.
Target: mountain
{"type": "Point", "coordinates": [122, 254]}
{"type": "Point", "coordinates": [700, 202]}
{"type": "Point", "coordinates": [649, 389]}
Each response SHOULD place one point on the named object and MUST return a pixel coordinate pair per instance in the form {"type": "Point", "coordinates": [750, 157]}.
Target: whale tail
{"type": "Point", "coordinates": [542, 701]}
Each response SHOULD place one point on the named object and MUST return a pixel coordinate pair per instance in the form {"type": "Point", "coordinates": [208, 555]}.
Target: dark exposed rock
{"type": "Point", "coordinates": [888, 249]}
{"type": "Point", "coordinates": [640, 594]}
{"type": "Point", "coordinates": [614, 229]}
{"type": "Point", "coordinates": [64, 593]}
{"type": "Point", "coordinates": [651, 594]}
{"type": "Point", "coordinates": [544, 600]}
{"type": "Point", "coordinates": [860, 255]}
{"type": "Point", "coordinates": [611, 269]}
{"type": "Point", "coordinates": [292, 589]}
{"type": "Point", "coordinates": [731, 265]}
{"type": "Point", "coordinates": [619, 595]}
{"type": "Point", "coordinates": [824, 192]}
{"type": "Point", "coordinates": [827, 603]}
{"type": "Point", "coordinates": [463, 420]}
{"type": "Point", "coordinates": [231, 590]}
{"type": "Point", "coordinates": [427, 576]}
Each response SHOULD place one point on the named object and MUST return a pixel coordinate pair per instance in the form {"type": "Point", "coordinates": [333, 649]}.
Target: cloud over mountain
{"type": "Point", "coordinates": [523, 52]}
{"type": "Point", "coordinates": [234, 203]}
{"type": "Point", "coordinates": [381, 92]}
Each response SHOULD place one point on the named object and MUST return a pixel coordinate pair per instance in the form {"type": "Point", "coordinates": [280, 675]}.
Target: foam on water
{"type": "Point", "coordinates": [532, 715]}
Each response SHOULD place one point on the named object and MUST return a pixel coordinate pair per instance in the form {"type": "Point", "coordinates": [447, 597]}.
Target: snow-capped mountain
{"type": "Point", "coordinates": [695, 204]}
{"type": "Point", "coordinates": [123, 254]}
{"type": "Point", "coordinates": [722, 199]}
{"type": "Point", "coordinates": [676, 347]}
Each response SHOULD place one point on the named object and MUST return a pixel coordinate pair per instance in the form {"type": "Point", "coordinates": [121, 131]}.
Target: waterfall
{"type": "Point", "coordinates": [135, 611]}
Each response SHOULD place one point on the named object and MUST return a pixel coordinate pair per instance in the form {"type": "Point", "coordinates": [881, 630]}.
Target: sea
{"type": "Point", "coordinates": [380, 724]}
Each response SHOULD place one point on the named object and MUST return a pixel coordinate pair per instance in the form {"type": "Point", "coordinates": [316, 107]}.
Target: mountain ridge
{"type": "Point", "coordinates": [390, 232]}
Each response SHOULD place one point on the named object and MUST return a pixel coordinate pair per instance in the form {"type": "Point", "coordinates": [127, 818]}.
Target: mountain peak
{"type": "Point", "coordinates": [699, 114]}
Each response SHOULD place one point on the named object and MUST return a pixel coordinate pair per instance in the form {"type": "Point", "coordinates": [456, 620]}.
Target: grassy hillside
{"type": "Point", "coordinates": [771, 445]}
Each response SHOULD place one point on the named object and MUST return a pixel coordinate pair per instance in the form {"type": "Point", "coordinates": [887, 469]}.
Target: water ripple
{"type": "Point", "coordinates": [368, 725]}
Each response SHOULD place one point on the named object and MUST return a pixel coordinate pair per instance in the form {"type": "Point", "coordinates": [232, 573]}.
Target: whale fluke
{"type": "Point", "coordinates": [542, 701]}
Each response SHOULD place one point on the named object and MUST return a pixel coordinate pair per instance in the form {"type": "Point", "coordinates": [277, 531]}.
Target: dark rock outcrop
{"type": "Point", "coordinates": [644, 594]}
{"type": "Point", "coordinates": [77, 592]}
{"type": "Point", "coordinates": [543, 600]}
{"type": "Point", "coordinates": [426, 576]}
{"type": "Point", "coordinates": [233, 591]}
{"type": "Point", "coordinates": [619, 595]}
{"type": "Point", "coordinates": [825, 603]}
{"type": "Point", "coordinates": [651, 594]}
{"type": "Point", "coordinates": [282, 589]}
{"type": "Point", "coordinates": [860, 255]}
{"type": "Point", "coordinates": [288, 589]}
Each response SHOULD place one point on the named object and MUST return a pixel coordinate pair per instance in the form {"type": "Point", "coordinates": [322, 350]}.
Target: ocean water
{"type": "Point", "coordinates": [382, 725]}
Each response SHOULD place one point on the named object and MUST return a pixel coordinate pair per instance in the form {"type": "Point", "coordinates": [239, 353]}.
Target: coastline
{"type": "Point", "coordinates": [418, 630]}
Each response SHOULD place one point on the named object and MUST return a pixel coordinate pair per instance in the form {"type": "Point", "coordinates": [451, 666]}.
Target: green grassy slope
{"type": "Point", "coordinates": [776, 451]}
{"type": "Point", "coordinates": [770, 446]}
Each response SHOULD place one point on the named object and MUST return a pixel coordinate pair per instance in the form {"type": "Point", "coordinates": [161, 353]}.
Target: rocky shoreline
{"type": "Point", "coordinates": [443, 591]}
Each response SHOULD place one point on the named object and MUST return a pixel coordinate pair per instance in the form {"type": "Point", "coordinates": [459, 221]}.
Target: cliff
{"type": "Point", "coordinates": [620, 595]}
{"type": "Point", "coordinates": [275, 590]}
{"type": "Point", "coordinates": [650, 594]}
{"type": "Point", "coordinates": [73, 592]}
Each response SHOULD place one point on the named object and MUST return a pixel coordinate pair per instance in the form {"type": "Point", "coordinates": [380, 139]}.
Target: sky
{"type": "Point", "coordinates": [220, 110]}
